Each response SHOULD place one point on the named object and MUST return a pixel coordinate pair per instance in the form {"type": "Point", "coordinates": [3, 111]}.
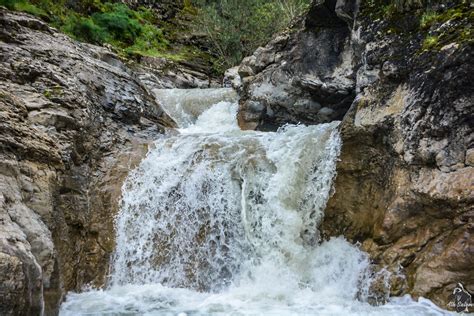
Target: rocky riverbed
{"type": "Point", "coordinates": [75, 119]}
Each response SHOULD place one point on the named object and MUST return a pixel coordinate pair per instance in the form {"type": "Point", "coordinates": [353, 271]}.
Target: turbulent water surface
{"type": "Point", "coordinates": [219, 221]}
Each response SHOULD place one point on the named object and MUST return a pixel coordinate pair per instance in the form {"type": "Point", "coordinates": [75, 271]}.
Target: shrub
{"type": "Point", "coordinates": [151, 42]}
{"type": "Point", "coordinates": [430, 42]}
{"type": "Point", "coordinates": [120, 26]}
{"type": "Point", "coordinates": [428, 18]}
{"type": "Point", "coordinates": [84, 29]}
{"type": "Point", "coordinates": [119, 22]}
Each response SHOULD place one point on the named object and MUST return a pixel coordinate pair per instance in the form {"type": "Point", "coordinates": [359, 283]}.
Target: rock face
{"type": "Point", "coordinates": [302, 76]}
{"type": "Point", "coordinates": [161, 73]}
{"type": "Point", "coordinates": [405, 187]}
{"type": "Point", "coordinates": [174, 18]}
{"type": "Point", "coordinates": [73, 121]}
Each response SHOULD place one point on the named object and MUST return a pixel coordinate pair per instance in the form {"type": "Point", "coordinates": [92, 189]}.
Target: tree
{"type": "Point", "coordinates": [235, 28]}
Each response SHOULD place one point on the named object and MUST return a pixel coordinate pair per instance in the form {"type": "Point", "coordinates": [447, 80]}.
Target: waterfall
{"type": "Point", "coordinates": [220, 221]}
{"type": "Point", "coordinates": [215, 202]}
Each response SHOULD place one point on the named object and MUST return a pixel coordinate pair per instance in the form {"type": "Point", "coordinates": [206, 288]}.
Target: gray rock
{"type": "Point", "coordinates": [404, 185]}
{"type": "Point", "coordinates": [311, 62]}
{"type": "Point", "coordinates": [232, 78]}
{"type": "Point", "coordinates": [470, 157]}
{"type": "Point", "coordinates": [346, 10]}
{"type": "Point", "coordinates": [402, 188]}
{"type": "Point", "coordinates": [73, 120]}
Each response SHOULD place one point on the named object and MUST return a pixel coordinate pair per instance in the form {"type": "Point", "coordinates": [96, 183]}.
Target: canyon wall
{"type": "Point", "coordinates": [74, 119]}
{"type": "Point", "coordinates": [402, 88]}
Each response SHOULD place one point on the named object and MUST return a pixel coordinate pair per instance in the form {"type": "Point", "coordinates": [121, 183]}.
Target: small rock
{"type": "Point", "coordinates": [232, 78]}
{"type": "Point", "coordinates": [470, 157]}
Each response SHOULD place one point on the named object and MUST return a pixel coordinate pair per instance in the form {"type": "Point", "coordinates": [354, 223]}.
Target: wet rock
{"type": "Point", "coordinates": [161, 73]}
{"type": "Point", "coordinates": [73, 121]}
{"type": "Point", "coordinates": [309, 64]}
{"type": "Point", "coordinates": [346, 10]}
{"type": "Point", "coordinates": [404, 186]}
{"type": "Point", "coordinates": [232, 78]}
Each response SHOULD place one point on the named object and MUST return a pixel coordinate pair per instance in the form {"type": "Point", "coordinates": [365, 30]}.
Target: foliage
{"type": "Point", "coordinates": [453, 25]}
{"type": "Point", "coordinates": [235, 28]}
{"type": "Point", "coordinates": [456, 13]}
{"type": "Point", "coordinates": [93, 21]}
{"type": "Point", "coordinates": [151, 42]}
{"type": "Point", "coordinates": [437, 25]}
{"type": "Point", "coordinates": [84, 29]}
{"type": "Point", "coordinates": [430, 42]}
{"type": "Point", "coordinates": [23, 6]}
{"type": "Point", "coordinates": [232, 29]}
{"type": "Point", "coordinates": [428, 18]}
{"type": "Point", "coordinates": [119, 23]}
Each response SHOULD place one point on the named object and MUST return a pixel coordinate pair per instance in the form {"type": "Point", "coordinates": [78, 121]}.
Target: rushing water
{"type": "Point", "coordinates": [219, 221]}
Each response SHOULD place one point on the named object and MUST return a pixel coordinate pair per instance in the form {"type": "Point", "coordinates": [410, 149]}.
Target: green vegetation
{"type": "Point", "coordinates": [228, 30]}
{"type": "Point", "coordinates": [430, 42]}
{"type": "Point", "coordinates": [132, 32]}
{"type": "Point", "coordinates": [23, 6]}
{"type": "Point", "coordinates": [235, 28]}
{"type": "Point", "coordinates": [428, 18]}
{"type": "Point", "coordinates": [458, 30]}
{"type": "Point", "coordinates": [129, 31]}
{"type": "Point", "coordinates": [437, 26]}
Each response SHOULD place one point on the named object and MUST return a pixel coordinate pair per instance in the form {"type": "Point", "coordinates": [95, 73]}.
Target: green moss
{"type": "Point", "coordinates": [48, 94]}
{"type": "Point", "coordinates": [428, 18]}
{"type": "Point", "coordinates": [459, 12]}
{"type": "Point", "coordinates": [398, 16]}
{"type": "Point", "coordinates": [53, 92]}
{"type": "Point", "coordinates": [58, 90]}
{"type": "Point", "coordinates": [467, 35]}
{"type": "Point", "coordinates": [430, 42]}
{"type": "Point", "coordinates": [459, 29]}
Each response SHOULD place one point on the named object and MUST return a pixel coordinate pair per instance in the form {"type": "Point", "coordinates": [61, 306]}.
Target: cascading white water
{"type": "Point", "coordinates": [185, 105]}
{"type": "Point", "coordinates": [220, 221]}
{"type": "Point", "coordinates": [215, 205]}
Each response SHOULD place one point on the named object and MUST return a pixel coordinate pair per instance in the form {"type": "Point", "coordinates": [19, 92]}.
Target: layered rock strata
{"type": "Point", "coordinates": [402, 88]}
{"type": "Point", "coordinates": [74, 119]}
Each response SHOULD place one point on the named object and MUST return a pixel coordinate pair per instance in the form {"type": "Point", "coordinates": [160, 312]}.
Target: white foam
{"type": "Point", "coordinates": [269, 293]}
{"type": "Point", "coordinates": [221, 221]}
